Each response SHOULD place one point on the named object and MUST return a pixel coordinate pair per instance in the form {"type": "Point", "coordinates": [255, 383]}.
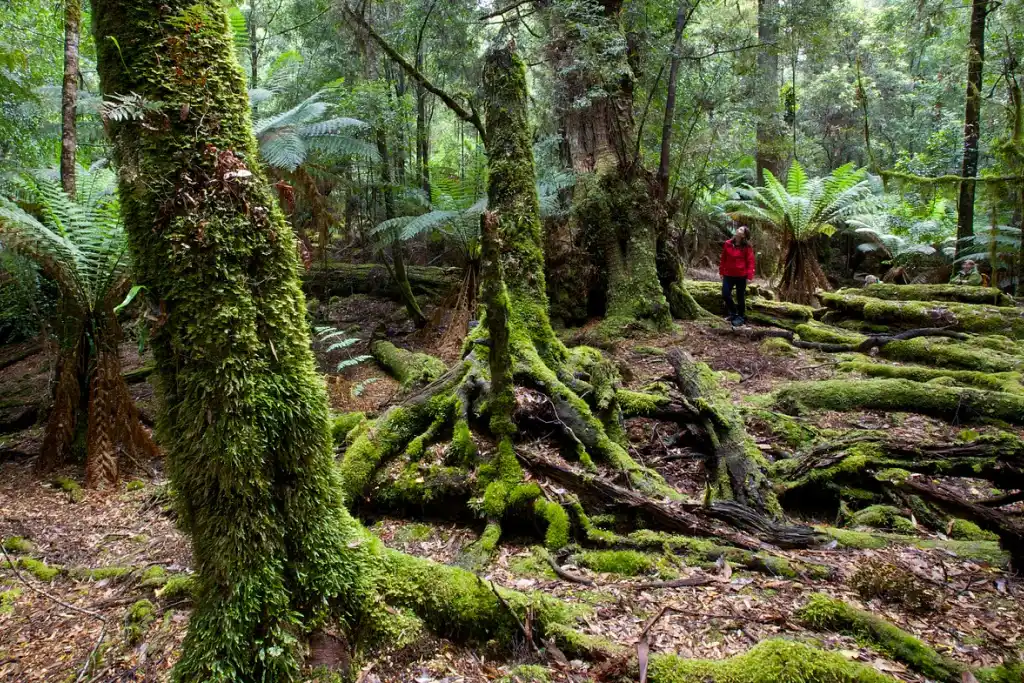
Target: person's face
{"type": "Point", "coordinates": [741, 236]}
{"type": "Point", "coordinates": [968, 266]}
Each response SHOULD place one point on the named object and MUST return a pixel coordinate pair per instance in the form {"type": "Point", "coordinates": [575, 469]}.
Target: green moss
{"type": "Point", "coordinates": [135, 485]}
{"type": "Point", "coordinates": [181, 587]}
{"type": "Point", "coordinates": [882, 517]}
{"type": "Point", "coordinates": [7, 600]}
{"type": "Point", "coordinates": [823, 613]}
{"type": "Point", "coordinates": [791, 431]}
{"type": "Point", "coordinates": [949, 353]}
{"type": "Point", "coordinates": [140, 616]}
{"type": "Point", "coordinates": [634, 403]}
{"type": "Point", "coordinates": [526, 673]}
{"type": "Point", "coordinates": [103, 573]}
{"type": "Point", "coordinates": [814, 331]}
{"type": "Point", "coordinates": [153, 577]}
{"type": "Point", "coordinates": [463, 448]}
{"type": "Point", "coordinates": [777, 346]}
{"type": "Point", "coordinates": [948, 292]}
{"type": "Point", "coordinates": [533, 565]}
{"type": "Point", "coordinates": [622, 562]}
{"type": "Point", "coordinates": [18, 545]}
{"type": "Point", "coordinates": [414, 533]}
{"type": "Point", "coordinates": [771, 661]}
{"type": "Point", "coordinates": [40, 570]}
{"type": "Point", "coordinates": [648, 350]}
{"type": "Point", "coordinates": [343, 425]}
{"type": "Point", "coordinates": [900, 395]}
{"type": "Point", "coordinates": [557, 519]}
{"type": "Point", "coordinates": [1005, 381]}
{"type": "Point", "coordinates": [409, 368]}
{"type": "Point", "coordinates": [70, 487]}
{"type": "Point", "coordinates": [858, 540]}
{"type": "Point", "coordinates": [1008, 672]}
{"type": "Point", "coordinates": [965, 530]}
{"type": "Point", "coordinates": [975, 318]}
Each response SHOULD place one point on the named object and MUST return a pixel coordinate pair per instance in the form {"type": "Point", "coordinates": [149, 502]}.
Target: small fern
{"type": "Point", "coordinates": [337, 340]}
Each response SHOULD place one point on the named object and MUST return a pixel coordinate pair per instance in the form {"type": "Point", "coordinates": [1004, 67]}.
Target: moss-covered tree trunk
{"type": "Point", "coordinates": [244, 413]}
{"type": "Point", "coordinates": [616, 211]}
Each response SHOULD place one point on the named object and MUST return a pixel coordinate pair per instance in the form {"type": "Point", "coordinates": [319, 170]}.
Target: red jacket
{"type": "Point", "coordinates": [737, 261]}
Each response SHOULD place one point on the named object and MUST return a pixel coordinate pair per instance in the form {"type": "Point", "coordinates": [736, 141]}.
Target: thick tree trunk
{"type": "Point", "coordinates": [69, 95]}
{"type": "Point", "coordinates": [972, 122]}
{"type": "Point", "coordinates": [766, 92]}
{"type": "Point", "coordinates": [617, 213]}
{"type": "Point", "coordinates": [244, 414]}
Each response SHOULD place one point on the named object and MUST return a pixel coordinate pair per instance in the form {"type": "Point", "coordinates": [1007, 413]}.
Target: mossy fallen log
{"type": "Point", "coordinates": [957, 293]}
{"type": "Point", "coordinates": [973, 354]}
{"type": "Point", "coordinates": [975, 318]}
{"type": "Point", "coordinates": [771, 661]}
{"type": "Point", "coordinates": [991, 381]}
{"type": "Point", "coordinates": [953, 404]}
{"type": "Point", "coordinates": [411, 369]}
{"type": "Point", "coordinates": [823, 613]}
{"type": "Point", "coordinates": [345, 279]}
{"type": "Point", "coordinates": [760, 308]}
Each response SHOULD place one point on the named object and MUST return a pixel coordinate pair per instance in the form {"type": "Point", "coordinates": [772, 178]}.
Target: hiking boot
{"type": "Point", "coordinates": [739, 321]}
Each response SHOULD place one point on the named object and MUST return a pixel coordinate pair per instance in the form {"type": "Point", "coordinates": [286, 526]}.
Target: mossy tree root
{"type": "Point", "coordinates": [409, 368]}
{"type": "Point", "coordinates": [964, 294]}
{"type": "Point", "coordinates": [864, 345]}
{"type": "Point", "coordinates": [864, 469]}
{"type": "Point", "coordinates": [952, 404]}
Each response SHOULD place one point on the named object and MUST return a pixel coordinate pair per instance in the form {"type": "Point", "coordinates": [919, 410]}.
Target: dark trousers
{"type": "Point", "coordinates": [729, 283]}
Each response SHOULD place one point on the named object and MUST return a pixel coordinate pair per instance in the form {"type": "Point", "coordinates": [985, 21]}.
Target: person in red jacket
{"type": "Point", "coordinates": [736, 268]}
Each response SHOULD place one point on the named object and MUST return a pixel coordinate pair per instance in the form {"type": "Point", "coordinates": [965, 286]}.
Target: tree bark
{"type": "Point", "coordinates": [682, 14]}
{"type": "Point", "coordinates": [69, 95]}
{"type": "Point", "coordinates": [244, 415]}
{"type": "Point", "coordinates": [766, 94]}
{"type": "Point", "coordinates": [972, 123]}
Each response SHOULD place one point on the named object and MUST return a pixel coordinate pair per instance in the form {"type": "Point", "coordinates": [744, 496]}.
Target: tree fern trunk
{"type": "Point", "coordinates": [61, 426]}
{"type": "Point", "coordinates": [101, 464]}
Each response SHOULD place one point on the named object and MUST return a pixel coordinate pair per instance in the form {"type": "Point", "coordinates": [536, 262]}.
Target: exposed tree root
{"type": "Point", "coordinates": [864, 346]}
{"type": "Point", "coordinates": [964, 294]}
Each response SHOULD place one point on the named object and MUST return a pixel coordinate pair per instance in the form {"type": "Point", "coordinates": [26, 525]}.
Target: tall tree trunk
{"type": "Point", "coordinates": [670, 99]}
{"type": "Point", "coordinates": [69, 95]}
{"type": "Point", "coordinates": [972, 123]}
{"type": "Point", "coordinates": [770, 142]}
{"type": "Point", "coordinates": [244, 415]}
{"type": "Point", "coordinates": [617, 211]}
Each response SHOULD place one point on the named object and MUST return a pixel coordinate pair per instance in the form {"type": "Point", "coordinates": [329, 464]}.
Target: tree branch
{"type": "Point", "coordinates": [502, 10]}
{"type": "Point", "coordinates": [470, 116]}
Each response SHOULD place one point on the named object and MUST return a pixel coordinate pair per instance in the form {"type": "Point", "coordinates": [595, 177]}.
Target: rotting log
{"type": "Point", "coordinates": [964, 294]}
{"type": "Point", "coordinates": [991, 381]}
{"type": "Point", "coordinates": [862, 346]}
{"type": "Point", "coordinates": [346, 279]}
{"type": "Point", "coordinates": [411, 369]}
{"type": "Point", "coordinates": [975, 318]}
{"type": "Point", "coordinates": [1009, 530]}
{"type": "Point", "coordinates": [952, 404]}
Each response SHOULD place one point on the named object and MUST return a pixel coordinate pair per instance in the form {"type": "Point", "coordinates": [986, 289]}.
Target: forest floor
{"type": "Point", "coordinates": [106, 544]}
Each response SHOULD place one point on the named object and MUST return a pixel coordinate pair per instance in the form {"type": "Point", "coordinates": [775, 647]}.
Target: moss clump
{"type": "Point", "coordinates": [414, 533]}
{"type": "Point", "coordinates": [70, 487]}
{"type": "Point", "coordinates": [104, 573]}
{"type": "Point", "coordinates": [153, 577]}
{"type": "Point", "coordinates": [891, 583]}
{"type": "Point", "coordinates": [648, 350]}
{"type": "Point", "coordinates": [1008, 672]}
{"type": "Point", "coordinates": [858, 540]}
{"type": "Point", "coordinates": [776, 346]}
{"type": "Point", "coordinates": [823, 613]}
{"type": "Point", "coordinates": [814, 331]}
{"type": "Point", "coordinates": [975, 318]}
{"type": "Point", "coordinates": [179, 587]}
{"type": "Point", "coordinates": [882, 517]}
{"type": "Point", "coordinates": [622, 562]}
{"type": "Point", "coordinates": [136, 622]}
{"type": "Point", "coordinates": [7, 599]}
{"type": "Point", "coordinates": [966, 530]}
{"type": "Point", "coordinates": [42, 571]}
{"type": "Point", "coordinates": [791, 431]}
{"type": "Point", "coordinates": [18, 545]}
{"type": "Point", "coordinates": [526, 673]}
{"type": "Point", "coordinates": [771, 661]}
{"type": "Point", "coordinates": [900, 395]}
{"type": "Point", "coordinates": [409, 368]}
{"type": "Point", "coordinates": [135, 485]}
{"type": "Point", "coordinates": [343, 425]}
{"type": "Point", "coordinates": [557, 534]}
{"type": "Point", "coordinates": [635, 403]}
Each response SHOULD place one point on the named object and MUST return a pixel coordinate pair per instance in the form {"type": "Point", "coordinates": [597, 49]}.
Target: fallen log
{"type": "Point", "coordinates": [952, 404]}
{"type": "Point", "coordinates": [975, 318]}
{"type": "Point", "coordinates": [16, 416]}
{"type": "Point", "coordinates": [964, 294]}
{"type": "Point", "coordinates": [20, 353]}
{"type": "Point", "coordinates": [760, 308]}
{"type": "Point", "coordinates": [863, 346]}
{"type": "Point", "coordinates": [1010, 532]}
{"type": "Point", "coordinates": [345, 279]}
{"type": "Point", "coordinates": [689, 518]}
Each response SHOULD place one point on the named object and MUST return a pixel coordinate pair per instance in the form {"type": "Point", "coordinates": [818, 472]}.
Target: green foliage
{"type": "Point", "coordinates": [332, 339]}
{"type": "Point", "coordinates": [805, 207]}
